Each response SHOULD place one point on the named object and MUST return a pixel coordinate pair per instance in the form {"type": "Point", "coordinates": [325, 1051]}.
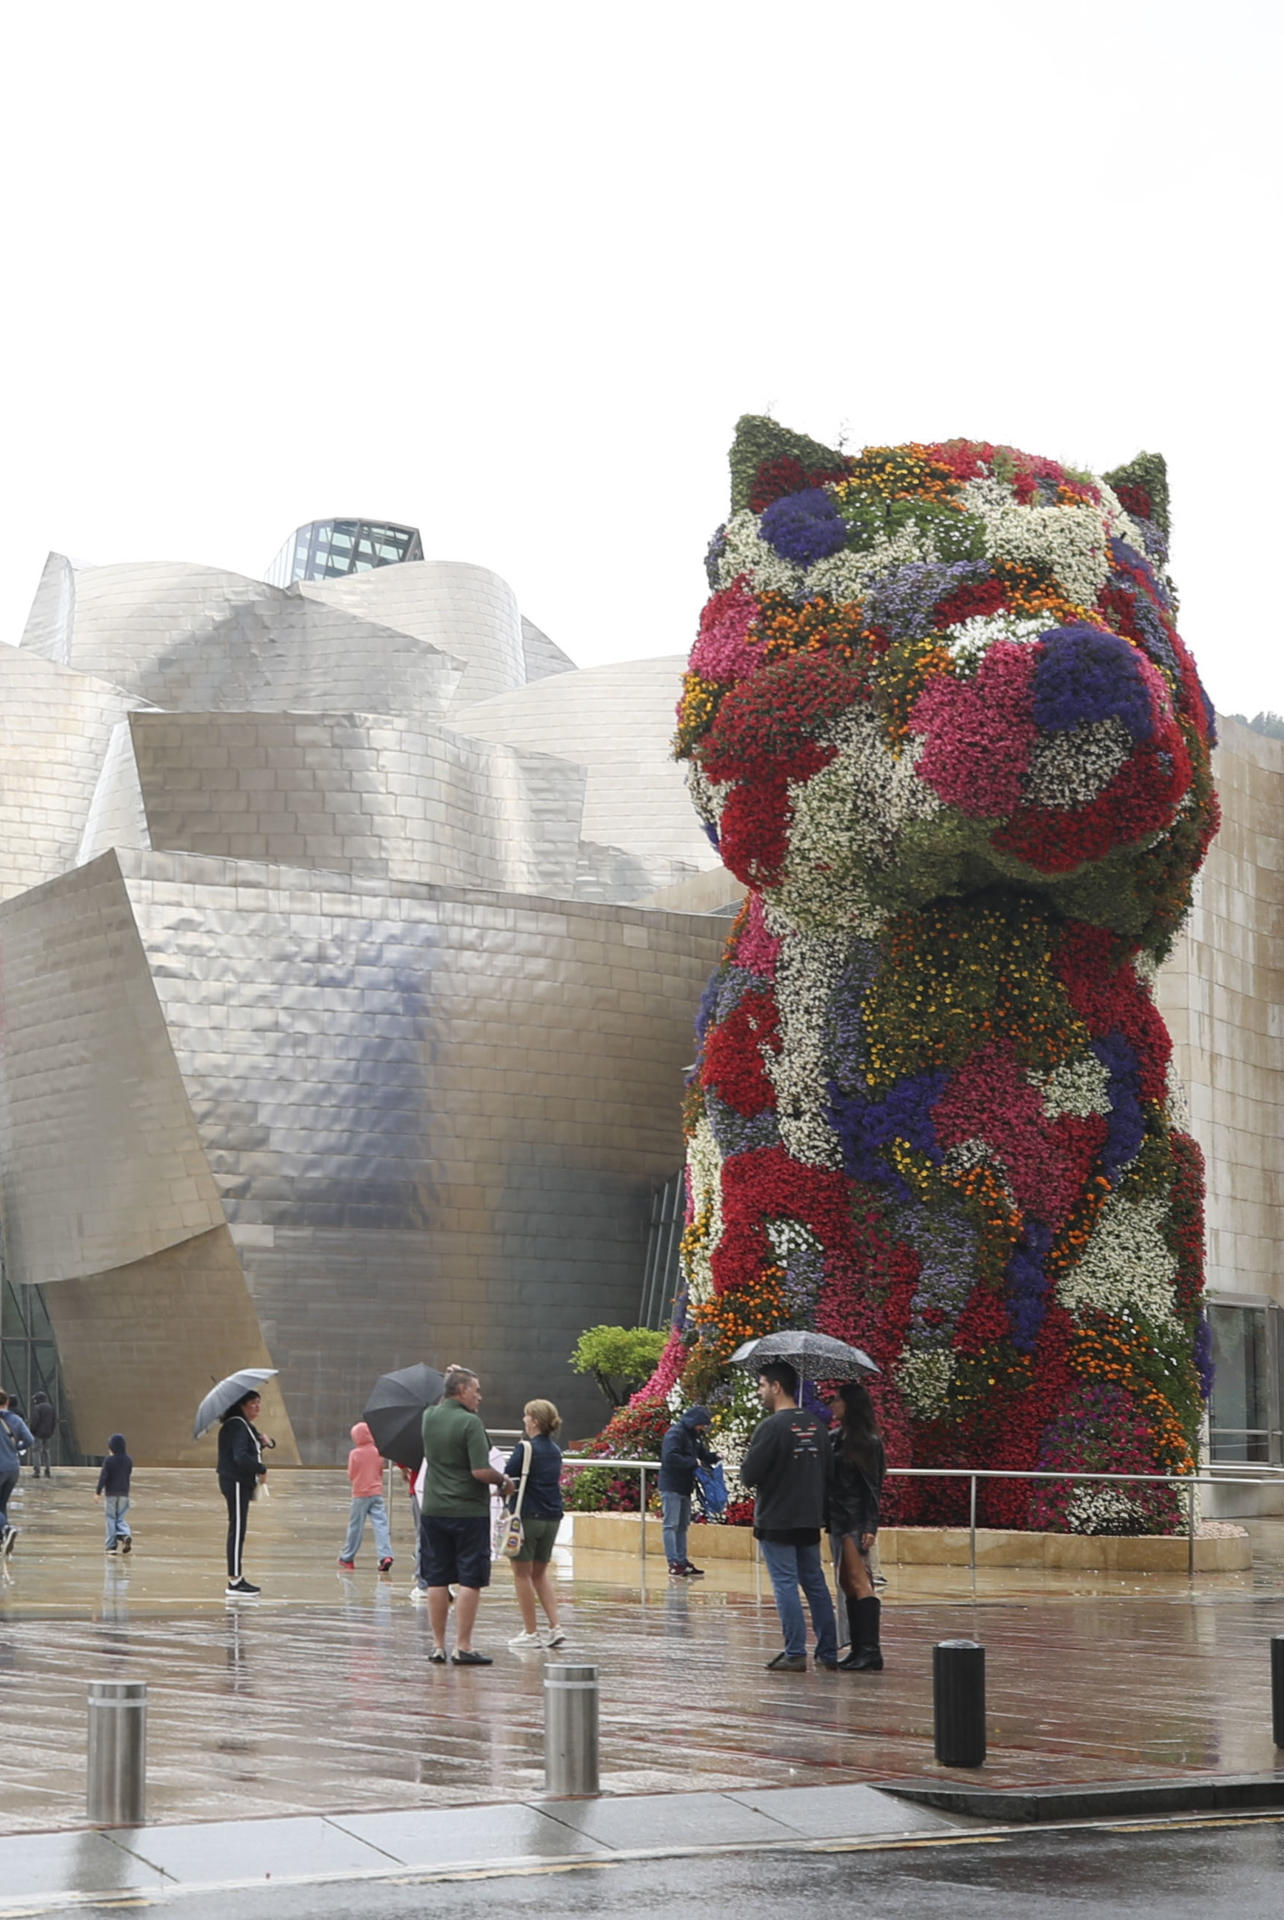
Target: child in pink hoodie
{"type": "Point", "coordinates": [365, 1471]}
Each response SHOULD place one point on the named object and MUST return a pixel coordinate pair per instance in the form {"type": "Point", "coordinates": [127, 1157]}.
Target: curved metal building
{"type": "Point", "coordinates": [340, 1026]}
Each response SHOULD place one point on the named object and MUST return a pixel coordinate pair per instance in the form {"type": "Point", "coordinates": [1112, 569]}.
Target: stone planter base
{"type": "Point", "coordinates": [948, 1547]}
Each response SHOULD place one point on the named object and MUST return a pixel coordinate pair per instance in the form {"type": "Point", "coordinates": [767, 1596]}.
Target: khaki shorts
{"type": "Point", "coordinates": [537, 1541]}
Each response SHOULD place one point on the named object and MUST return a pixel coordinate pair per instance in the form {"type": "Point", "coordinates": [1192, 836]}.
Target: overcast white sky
{"type": "Point", "coordinates": [511, 273]}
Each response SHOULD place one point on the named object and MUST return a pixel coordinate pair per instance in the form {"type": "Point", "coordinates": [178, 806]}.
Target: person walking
{"type": "Point", "coordinates": [14, 1434]}
{"type": "Point", "coordinates": [682, 1450]}
{"type": "Point", "coordinates": [535, 1464]}
{"type": "Point", "coordinates": [787, 1465]}
{"type": "Point", "coordinates": [455, 1518]}
{"type": "Point", "coordinates": [857, 1468]}
{"type": "Point", "coordinates": [365, 1475]}
{"type": "Point", "coordinates": [113, 1490]}
{"type": "Point", "coordinates": [240, 1471]}
{"type": "Point", "coordinates": [44, 1424]}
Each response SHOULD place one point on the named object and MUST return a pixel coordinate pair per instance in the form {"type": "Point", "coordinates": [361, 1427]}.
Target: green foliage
{"type": "Point", "coordinates": [1270, 724]}
{"type": "Point", "coordinates": [619, 1358]}
{"type": "Point", "coordinates": [758, 439]}
{"type": "Point", "coordinates": [1148, 470]}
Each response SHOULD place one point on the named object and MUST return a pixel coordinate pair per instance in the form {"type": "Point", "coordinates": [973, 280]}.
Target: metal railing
{"type": "Point", "coordinates": [1238, 1475]}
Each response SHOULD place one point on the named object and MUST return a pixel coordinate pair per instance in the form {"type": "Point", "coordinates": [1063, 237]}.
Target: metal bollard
{"type": "Point", "coordinates": [117, 1782]}
{"type": "Point", "coordinates": [958, 1702]}
{"type": "Point", "coordinates": [1277, 1688]}
{"type": "Point", "coordinates": [570, 1730]}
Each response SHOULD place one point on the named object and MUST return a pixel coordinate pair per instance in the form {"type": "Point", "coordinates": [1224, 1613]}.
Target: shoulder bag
{"type": "Point", "coordinates": [515, 1536]}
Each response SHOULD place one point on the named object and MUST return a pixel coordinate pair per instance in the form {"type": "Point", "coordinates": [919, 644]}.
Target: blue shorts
{"type": "Point", "coordinates": [455, 1553]}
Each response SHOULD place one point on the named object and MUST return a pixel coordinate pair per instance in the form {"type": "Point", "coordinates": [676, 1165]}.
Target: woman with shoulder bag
{"type": "Point", "coordinates": [535, 1467]}
{"type": "Point", "coordinates": [857, 1467]}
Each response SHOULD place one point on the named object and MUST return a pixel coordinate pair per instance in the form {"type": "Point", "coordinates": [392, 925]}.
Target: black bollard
{"type": "Point", "coordinates": [958, 1702]}
{"type": "Point", "coordinates": [1277, 1688]}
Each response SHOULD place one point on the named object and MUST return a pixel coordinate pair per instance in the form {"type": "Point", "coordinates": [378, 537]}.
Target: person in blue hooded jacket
{"type": "Point", "coordinates": [682, 1450]}
{"type": "Point", "coordinates": [14, 1433]}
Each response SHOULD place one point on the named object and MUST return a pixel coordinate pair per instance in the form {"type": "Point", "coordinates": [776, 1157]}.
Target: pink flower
{"type": "Point", "coordinates": [757, 950]}
{"type": "Point", "coordinates": [979, 732]}
{"type": "Point", "coordinates": [723, 650]}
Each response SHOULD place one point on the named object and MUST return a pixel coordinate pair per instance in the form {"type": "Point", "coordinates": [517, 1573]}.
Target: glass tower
{"type": "Point", "coordinates": [326, 549]}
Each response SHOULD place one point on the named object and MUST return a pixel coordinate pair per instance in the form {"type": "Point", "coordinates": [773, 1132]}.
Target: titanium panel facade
{"type": "Point", "coordinates": [332, 1039]}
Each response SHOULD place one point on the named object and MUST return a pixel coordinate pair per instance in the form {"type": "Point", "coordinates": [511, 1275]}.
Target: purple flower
{"type": "Point", "coordinates": [1204, 1356]}
{"type": "Point", "coordinates": [1085, 675]}
{"type": "Point", "coordinates": [717, 547]}
{"type": "Point", "coordinates": [1125, 1122]}
{"type": "Point", "coordinates": [738, 1132]}
{"type": "Point", "coordinates": [1026, 1281]}
{"type": "Point", "coordinates": [903, 603]}
{"type": "Point", "coordinates": [867, 1127]}
{"type": "Point", "coordinates": [804, 527]}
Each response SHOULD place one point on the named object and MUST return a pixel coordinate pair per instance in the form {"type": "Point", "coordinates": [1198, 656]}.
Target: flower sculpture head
{"type": "Point", "coordinates": [928, 670]}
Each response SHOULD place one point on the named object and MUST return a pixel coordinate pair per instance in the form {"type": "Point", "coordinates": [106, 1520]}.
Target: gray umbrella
{"type": "Point", "coordinates": [226, 1394]}
{"type": "Point", "coordinates": [813, 1356]}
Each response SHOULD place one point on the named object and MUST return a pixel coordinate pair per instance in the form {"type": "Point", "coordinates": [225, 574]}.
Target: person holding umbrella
{"type": "Point", "coordinates": [787, 1465]}
{"type": "Point", "coordinates": [857, 1469]}
{"type": "Point", "coordinates": [240, 1469]}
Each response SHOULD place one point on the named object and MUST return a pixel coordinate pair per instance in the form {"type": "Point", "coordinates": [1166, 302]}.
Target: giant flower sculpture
{"type": "Point", "coordinates": [940, 722]}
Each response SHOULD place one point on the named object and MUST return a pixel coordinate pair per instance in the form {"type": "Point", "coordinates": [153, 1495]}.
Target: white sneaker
{"type": "Point", "coordinates": [557, 1638]}
{"type": "Point", "coordinates": [418, 1593]}
{"type": "Point", "coordinates": [526, 1640]}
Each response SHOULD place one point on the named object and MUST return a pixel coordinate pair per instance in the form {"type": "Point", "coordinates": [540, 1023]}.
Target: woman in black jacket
{"type": "Point", "coordinates": [857, 1467]}
{"type": "Point", "coordinates": [240, 1468]}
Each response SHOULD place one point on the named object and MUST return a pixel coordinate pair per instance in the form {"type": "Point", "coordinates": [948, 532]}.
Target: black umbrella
{"type": "Point", "coordinates": [395, 1410]}
{"type": "Point", "coordinates": [226, 1394]}
{"type": "Point", "coordinates": [813, 1356]}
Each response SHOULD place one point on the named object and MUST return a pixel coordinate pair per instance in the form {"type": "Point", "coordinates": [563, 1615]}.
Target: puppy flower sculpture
{"type": "Point", "coordinates": [940, 722]}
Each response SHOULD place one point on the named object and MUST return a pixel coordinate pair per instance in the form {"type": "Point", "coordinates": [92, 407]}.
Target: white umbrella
{"type": "Point", "coordinates": [226, 1394]}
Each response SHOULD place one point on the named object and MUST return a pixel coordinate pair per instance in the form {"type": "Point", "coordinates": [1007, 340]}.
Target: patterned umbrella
{"type": "Point", "coordinates": [813, 1356]}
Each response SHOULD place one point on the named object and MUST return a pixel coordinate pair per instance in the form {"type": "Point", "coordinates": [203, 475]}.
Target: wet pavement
{"type": "Point", "coordinates": [319, 1698]}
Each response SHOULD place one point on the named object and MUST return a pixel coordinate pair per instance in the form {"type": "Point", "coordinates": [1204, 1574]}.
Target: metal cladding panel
{"type": "Point", "coordinates": [100, 1161]}
{"type": "Point", "coordinates": [434, 1119]}
{"type": "Point", "coordinates": [616, 721]}
{"type": "Point", "coordinates": [139, 1346]}
{"type": "Point", "coordinates": [195, 638]}
{"type": "Point", "coordinates": [55, 727]}
{"type": "Point", "coordinates": [360, 793]}
{"type": "Point", "coordinates": [466, 610]}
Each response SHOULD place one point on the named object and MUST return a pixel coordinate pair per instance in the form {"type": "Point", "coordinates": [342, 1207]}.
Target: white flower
{"type": "Point", "coordinates": [708, 797]}
{"type": "Point", "coordinates": [807, 971]}
{"type": "Point", "coordinates": [1178, 1105]}
{"type": "Point", "coordinates": [1127, 1264]}
{"type": "Point", "coordinates": [1080, 1087]}
{"type": "Point", "coordinates": [1071, 540]}
{"type": "Point", "coordinates": [1098, 1509]}
{"type": "Point", "coordinates": [704, 1170]}
{"type": "Point", "coordinates": [987, 497]}
{"type": "Point", "coordinates": [970, 640]}
{"type": "Point", "coordinates": [1070, 768]}
{"type": "Point", "coordinates": [924, 1380]}
{"type": "Point", "coordinates": [846, 822]}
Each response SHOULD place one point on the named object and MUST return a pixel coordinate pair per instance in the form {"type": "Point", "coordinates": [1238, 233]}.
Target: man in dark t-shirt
{"type": "Point", "coordinates": [787, 1465]}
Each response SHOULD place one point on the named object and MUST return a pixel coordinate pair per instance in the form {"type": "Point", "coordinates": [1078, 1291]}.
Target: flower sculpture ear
{"type": "Point", "coordinates": [939, 719]}
{"type": "Point", "coordinates": [1142, 489]}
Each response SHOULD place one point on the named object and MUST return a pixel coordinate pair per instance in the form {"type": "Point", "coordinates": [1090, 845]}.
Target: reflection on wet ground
{"type": "Point", "coordinates": [320, 1696]}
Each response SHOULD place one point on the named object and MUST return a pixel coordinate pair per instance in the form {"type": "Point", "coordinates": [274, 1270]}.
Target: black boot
{"type": "Point", "coordinates": [866, 1655]}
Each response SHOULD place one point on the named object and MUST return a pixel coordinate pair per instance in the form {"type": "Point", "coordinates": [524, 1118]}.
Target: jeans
{"type": "Point", "coordinates": [40, 1458]}
{"type": "Point", "coordinates": [791, 1568]}
{"type": "Point", "coordinates": [675, 1509]}
{"type": "Point", "coordinates": [8, 1481]}
{"type": "Point", "coordinates": [116, 1506]}
{"type": "Point", "coordinates": [363, 1504]}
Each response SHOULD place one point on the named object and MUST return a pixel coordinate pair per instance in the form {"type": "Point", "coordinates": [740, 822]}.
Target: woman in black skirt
{"type": "Point", "coordinates": [857, 1467]}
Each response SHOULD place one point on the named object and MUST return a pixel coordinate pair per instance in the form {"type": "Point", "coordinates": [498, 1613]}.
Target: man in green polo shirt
{"type": "Point", "coordinates": [454, 1522]}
